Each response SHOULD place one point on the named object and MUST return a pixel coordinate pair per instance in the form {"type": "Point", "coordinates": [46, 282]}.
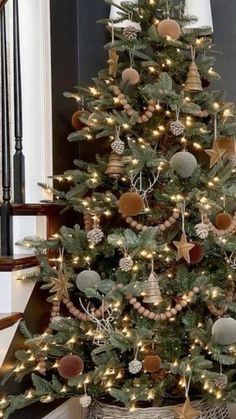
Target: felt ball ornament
{"type": "Point", "coordinates": [169, 27]}
{"type": "Point", "coordinates": [223, 221]}
{"type": "Point", "coordinates": [130, 204]}
{"type": "Point", "coordinates": [75, 119]}
{"type": "Point", "coordinates": [87, 279]}
{"type": "Point", "coordinates": [227, 144]}
{"type": "Point", "coordinates": [70, 366]}
{"type": "Point", "coordinates": [184, 164]}
{"type": "Point", "coordinates": [152, 363]}
{"type": "Point", "coordinates": [196, 253]}
{"type": "Point", "coordinates": [130, 76]}
{"type": "Point", "coordinates": [224, 331]}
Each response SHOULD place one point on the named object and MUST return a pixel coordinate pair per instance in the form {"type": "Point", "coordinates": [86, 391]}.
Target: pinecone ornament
{"type": "Point", "coordinates": [130, 33]}
{"type": "Point", "coordinates": [85, 401]}
{"type": "Point", "coordinates": [177, 128]}
{"type": "Point", "coordinates": [118, 146]}
{"type": "Point", "coordinates": [221, 382]}
{"type": "Point", "coordinates": [126, 264]}
{"type": "Point", "coordinates": [135, 366]}
{"type": "Point", "coordinates": [95, 235]}
{"type": "Point", "coordinates": [202, 230]}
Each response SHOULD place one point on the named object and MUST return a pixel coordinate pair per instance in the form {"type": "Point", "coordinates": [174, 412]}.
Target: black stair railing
{"type": "Point", "coordinates": [6, 217]}
{"type": "Point", "coordinates": [19, 159]}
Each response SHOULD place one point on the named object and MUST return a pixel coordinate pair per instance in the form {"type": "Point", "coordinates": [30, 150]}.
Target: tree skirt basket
{"type": "Point", "coordinates": [103, 411]}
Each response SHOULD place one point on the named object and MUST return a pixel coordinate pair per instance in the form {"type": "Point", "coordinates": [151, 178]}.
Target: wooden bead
{"type": "Point", "coordinates": [162, 227]}
{"type": "Point", "coordinates": [175, 215]}
{"type": "Point", "coordinates": [134, 223]}
{"type": "Point", "coordinates": [123, 102]}
{"type": "Point", "coordinates": [139, 227]}
{"type": "Point", "coordinates": [151, 315]}
{"type": "Point", "coordinates": [141, 310]}
{"type": "Point", "coordinates": [121, 96]}
{"type": "Point", "coordinates": [137, 305]}
{"type": "Point", "coordinates": [146, 313]}
{"type": "Point", "coordinates": [139, 120]}
{"type": "Point", "coordinates": [173, 311]}
{"type": "Point", "coordinates": [127, 107]}
{"type": "Point", "coordinates": [65, 301]}
{"type": "Point", "coordinates": [133, 300]}
{"type": "Point", "coordinates": [152, 102]}
{"type": "Point", "coordinates": [178, 307]}
{"type": "Point", "coordinates": [191, 294]}
{"type": "Point", "coordinates": [163, 316]}
{"type": "Point", "coordinates": [130, 112]}
{"type": "Point", "coordinates": [117, 91]}
{"type": "Point", "coordinates": [183, 303]}
{"type": "Point", "coordinates": [151, 108]}
{"type": "Point", "coordinates": [144, 118]}
{"type": "Point", "coordinates": [157, 317]}
{"type": "Point", "coordinates": [196, 290]}
{"type": "Point", "coordinates": [172, 220]}
{"type": "Point", "coordinates": [167, 224]}
{"type": "Point", "coordinates": [144, 228]}
{"type": "Point", "coordinates": [69, 305]}
{"type": "Point", "coordinates": [148, 114]}
{"type": "Point", "coordinates": [168, 314]}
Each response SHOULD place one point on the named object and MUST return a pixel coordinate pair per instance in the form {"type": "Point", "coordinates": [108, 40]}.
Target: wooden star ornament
{"type": "Point", "coordinates": [113, 62]}
{"type": "Point", "coordinates": [186, 411]}
{"type": "Point", "coordinates": [215, 153]}
{"type": "Point", "coordinates": [183, 248]}
{"type": "Point", "coordinates": [61, 285]}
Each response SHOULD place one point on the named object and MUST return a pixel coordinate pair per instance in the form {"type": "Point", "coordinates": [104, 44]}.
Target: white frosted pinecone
{"type": "Point", "coordinates": [95, 235]}
{"type": "Point", "coordinates": [177, 128]}
{"type": "Point", "coordinates": [126, 264]}
{"type": "Point", "coordinates": [202, 230]}
{"type": "Point", "coordinates": [135, 366]}
{"type": "Point", "coordinates": [130, 33]}
{"type": "Point", "coordinates": [221, 382]}
{"type": "Point", "coordinates": [118, 146]}
{"type": "Point", "coordinates": [85, 401]}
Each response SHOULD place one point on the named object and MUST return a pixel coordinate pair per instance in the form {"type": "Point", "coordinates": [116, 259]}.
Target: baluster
{"type": "Point", "coordinates": [6, 218]}
{"type": "Point", "coordinates": [19, 159]}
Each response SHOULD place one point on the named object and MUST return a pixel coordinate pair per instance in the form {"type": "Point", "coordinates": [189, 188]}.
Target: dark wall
{"type": "Point", "coordinates": [78, 54]}
{"type": "Point", "coordinates": [224, 15]}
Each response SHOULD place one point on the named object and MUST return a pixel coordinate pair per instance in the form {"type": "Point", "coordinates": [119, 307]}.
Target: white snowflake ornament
{"type": "Point", "coordinates": [202, 230]}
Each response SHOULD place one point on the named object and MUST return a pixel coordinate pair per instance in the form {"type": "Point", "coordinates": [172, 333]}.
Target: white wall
{"type": "Point", "coordinates": [36, 92]}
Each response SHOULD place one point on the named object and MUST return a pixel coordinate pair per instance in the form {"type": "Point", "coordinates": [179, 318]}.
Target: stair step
{"type": "Point", "coordinates": [17, 262]}
{"type": "Point", "coordinates": [36, 209]}
{"type": "Point", "coordinates": [9, 319]}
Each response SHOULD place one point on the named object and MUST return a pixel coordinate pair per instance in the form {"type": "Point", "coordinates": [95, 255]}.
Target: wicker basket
{"type": "Point", "coordinates": [103, 411]}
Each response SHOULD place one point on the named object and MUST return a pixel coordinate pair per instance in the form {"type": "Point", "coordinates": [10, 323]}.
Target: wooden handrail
{"type": "Point", "coordinates": [2, 4]}
{"type": "Point", "coordinates": [8, 320]}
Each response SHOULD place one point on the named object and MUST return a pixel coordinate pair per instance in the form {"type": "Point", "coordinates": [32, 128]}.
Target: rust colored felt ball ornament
{"type": "Point", "coordinates": [227, 144]}
{"type": "Point", "coordinates": [152, 363]}
{"type": "Point", "coordinates": [169, 27]}
{"type": "Point", "coordinates": [75, 119]}
{"type": "Point", "coordinates": [70, 366]}
{"type": "Point", "coordinates": [130, 204]}
{"type": "Point", "coordinates": [223, 221]}
{"type": "Point", "coordinates": [196, 253]}
{"type": "Point", "coordinates": [130, 76]}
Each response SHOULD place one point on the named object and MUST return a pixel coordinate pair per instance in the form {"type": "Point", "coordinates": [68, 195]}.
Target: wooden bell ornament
{"type": "Point", "coordinates": [193, 82]}
{"type": "Point", "coordinates": [115, 167]}
{"type": "Point", "coordinates": [153, 292]}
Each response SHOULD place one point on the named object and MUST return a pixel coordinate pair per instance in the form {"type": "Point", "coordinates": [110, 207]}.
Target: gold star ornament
{"type": "Point", "coordinates": [60, 286]}
{"type": "Point", "coordinates": [183, 248]}
{"type": "Point", "coordinates": [215, 154]}
{"type": "Point", "coordinates": [186, 411]}
{"type": "Point", "coordinates": [113, 62]}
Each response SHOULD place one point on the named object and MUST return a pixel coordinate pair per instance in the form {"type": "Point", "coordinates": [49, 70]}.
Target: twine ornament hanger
{"type": "Point", "coordinates": [183, 246]}
{"type": "Point", "coordinates": [215, 152]}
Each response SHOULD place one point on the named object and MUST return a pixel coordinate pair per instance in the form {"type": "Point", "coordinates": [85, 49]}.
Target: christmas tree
{"type": "Point", "coordinates": [143, 312]}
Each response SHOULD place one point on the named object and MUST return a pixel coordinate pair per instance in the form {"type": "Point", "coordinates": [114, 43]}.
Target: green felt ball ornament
{"type": "Point", "coordinates": [70, 366]}
{"type": "Point", "coordinates": [184, 164]}
{"type": "Point", "coordinates": [224, 331]}
{"type": "Point", "coordinates": [87, 279]}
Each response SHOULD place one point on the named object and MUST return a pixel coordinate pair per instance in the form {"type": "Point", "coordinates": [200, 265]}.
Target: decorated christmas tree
{"type": "Point", "coordinates": [142, 293]}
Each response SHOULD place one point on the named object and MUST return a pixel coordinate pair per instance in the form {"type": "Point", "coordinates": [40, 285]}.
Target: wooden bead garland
{"type": "Point", "coordinates": [162, 227]}
{"type": "Point", "coordinates": [142, 119]}
{"type": "Point", "coordinates": [167, 315]}
{"type": "Point", "coordinates": [215, 230]}
{"type": "Point", "coordinates": [217, 312]}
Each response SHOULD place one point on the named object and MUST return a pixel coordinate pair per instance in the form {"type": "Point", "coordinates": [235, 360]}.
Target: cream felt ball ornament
{"type": "Point", "coordinates": [87, 279]}
{"type": "Point", "coordinates": [224, 331]}
{"type": "Point", "coordinates": [184, 164]}
{"type": "Point", "coordinates": [130, 76]}
{"type": "Point", "coordinates": [70, 366]}
{"type": "Point", "coordinates": [169, 27]}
